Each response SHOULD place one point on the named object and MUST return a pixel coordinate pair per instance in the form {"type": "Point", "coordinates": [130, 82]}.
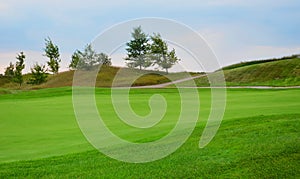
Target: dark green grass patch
{"type": "Point", "coordinates": [255, 147]}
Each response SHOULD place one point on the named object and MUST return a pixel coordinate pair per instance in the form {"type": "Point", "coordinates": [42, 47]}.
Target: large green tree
{"type": "Point", "coordinates": [160, 54]}
{"type": "Point", "coordinates": [18, 77]}
{"type": "Point", "coordinates": [89, 58]}
{"type": "Point", "coordinates": [137, 50]}
{"type": "Point", "coordinates": [52, 52]}
{"type": "Point", "coordinates": [39, 74]}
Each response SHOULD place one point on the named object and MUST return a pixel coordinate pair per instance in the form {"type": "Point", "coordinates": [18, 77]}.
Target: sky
{"type": "Point", "coordinates": [235, 30]}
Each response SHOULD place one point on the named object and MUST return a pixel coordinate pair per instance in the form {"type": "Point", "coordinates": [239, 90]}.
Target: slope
{"type": "Point", "coordinates": [268, 73]}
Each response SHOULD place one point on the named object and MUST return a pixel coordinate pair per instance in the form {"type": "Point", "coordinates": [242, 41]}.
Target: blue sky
{"type": "Point", "coordinates": [235, 30]}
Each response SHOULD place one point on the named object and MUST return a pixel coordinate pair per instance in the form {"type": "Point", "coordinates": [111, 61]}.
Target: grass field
{"type": "Point", "coordinates": [258, 138]}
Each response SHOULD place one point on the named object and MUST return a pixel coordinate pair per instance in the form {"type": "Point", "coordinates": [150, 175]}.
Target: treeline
{"type": "Point", "coordinates": [39, 72]}
{"type": "Point", "coordinates": [143, 51]}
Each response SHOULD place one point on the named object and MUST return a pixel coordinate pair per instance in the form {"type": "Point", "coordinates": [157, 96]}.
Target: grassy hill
{"type": "Point", "coordinates": [283, 72]}
{"type": "Point", "coordinates": [253, 62]}
{"type": "Point", "coordinates": [105, 78]}
{"type": "Point", "coordinates": [276, 73]}
{"type": "Point", "coordinates": [273, 72]}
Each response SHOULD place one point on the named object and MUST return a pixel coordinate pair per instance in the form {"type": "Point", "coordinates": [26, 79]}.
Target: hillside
{"type": "Point", "coordinates": [105, 78]}
{"type": "Point", "coordinates": [273, 72]}
{"type": "Point", "coordinates": [283, 72]}
{"type": "Point", "coordinates": [277, 73]}
{"type": "Point", "coordinates": [253, 62]}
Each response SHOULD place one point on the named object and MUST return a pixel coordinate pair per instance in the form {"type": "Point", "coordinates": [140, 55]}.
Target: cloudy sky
{"type": "Point", "coordinates": [235, 30]}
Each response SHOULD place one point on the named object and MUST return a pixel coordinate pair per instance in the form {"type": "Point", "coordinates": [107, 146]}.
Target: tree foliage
{"type": "Point", "coordinates": [9, 71]}
{"type": "Point", "coordinates": [137, 50]}
{"type": "Point", "coordinates": [143, 51]}
{"type": "Point", "coordinates": [160, 55]}
{"type": "Point", "coordinates": [75, 60]}
{"type": "Point", "coordinates": [20, 65]}
{"type": "Point", "coordinates": [39, 74]}
{"type": "Point", "coordinates": [52, 52]}
{"type": "Point", "coordinates": [89, 58]}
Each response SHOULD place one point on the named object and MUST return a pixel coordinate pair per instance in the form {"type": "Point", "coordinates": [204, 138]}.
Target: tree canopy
{"type": "Point", "coordinates": [52, 52]}
{"type": "Point", "coordinates": [9, 71]}
{"type": "Point", "coordinates": [18, 77]}
{"type": "Point", "coordinates": [144, 51]}
{"type": "Point", "coordinates": [39, 74]}
{"type": "Point", "coordinates": [160, 55]}
{"type": "Point", "coordinates": [89, 58]}
{"type": "Point", "coordinates": [138, 50]}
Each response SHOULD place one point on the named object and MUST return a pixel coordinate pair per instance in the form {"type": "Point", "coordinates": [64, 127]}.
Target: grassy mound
{"type": "Point", "coordinates": [284, 72]}
{"type": "Point", "coordinates": [105, 78]}
{"type": "Point", "coordinates": [247, 63]}
{"type": "Point", "coordinates": [276, 73]}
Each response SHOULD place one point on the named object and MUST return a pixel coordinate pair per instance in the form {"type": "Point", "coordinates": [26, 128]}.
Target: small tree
{"type": "Point", "coordinates": [88, 59]}
{"type": "Point", "coordinates": [160, 54]}
{"type": "Point", "coordinates": [104, 59]}
{"type": "Point", "coordinates": [138, 48]}
{"type": "Point", "coordinates": [39, 74]}
{"type": "Point", "coordinates": [75, 60]}
{"type": "Point", "coordinates": [18, 77]}
{"type": "Point", "coordinates": [52, 52]}
{"type": "Point", "coordinates": [9, 71]}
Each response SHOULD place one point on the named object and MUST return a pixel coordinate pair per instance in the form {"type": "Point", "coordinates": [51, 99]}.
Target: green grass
{"type": "Point", "coordinates": [261, 147]}
{"type": "Point", "coordinates": [271, 73]}
{"type": "Point", "coordinates": [247, 63]}
{"type": "Point", "coordinates": [258, 138]}
{"type": "Point", "coordinates": [277, 73]}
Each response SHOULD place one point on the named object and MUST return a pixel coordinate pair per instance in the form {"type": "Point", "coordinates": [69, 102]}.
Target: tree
{"type": "Point", "coordinates": [87, 59]}
{"type": "Point", "coordinates": [160, 54]}
{"type": "Point", "coordinates": [75, 60]}
{"type": "Point", "coordinates": [18, 77]}
{"type": "Point", "coordinates": [138, 48]}
{"type": "Point", "coordinates": [104, 59]}
{"type": "Point", "coordinates": [9, 71]}
{"type": "Point", "coordinates": [52, 52]}
{"type": "Point", "coordinates": [39, 74]}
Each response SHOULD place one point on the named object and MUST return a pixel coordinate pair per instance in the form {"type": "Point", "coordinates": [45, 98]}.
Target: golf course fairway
{"type": "Point", "coordinates": [259, 136]}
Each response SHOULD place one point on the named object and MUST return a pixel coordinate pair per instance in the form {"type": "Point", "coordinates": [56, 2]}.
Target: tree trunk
{"type": "Point", "coordinates": [167, 71]}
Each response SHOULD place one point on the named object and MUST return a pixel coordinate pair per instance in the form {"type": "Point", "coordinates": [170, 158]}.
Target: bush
{"type": "Point", "coordinates": [39, 74]}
